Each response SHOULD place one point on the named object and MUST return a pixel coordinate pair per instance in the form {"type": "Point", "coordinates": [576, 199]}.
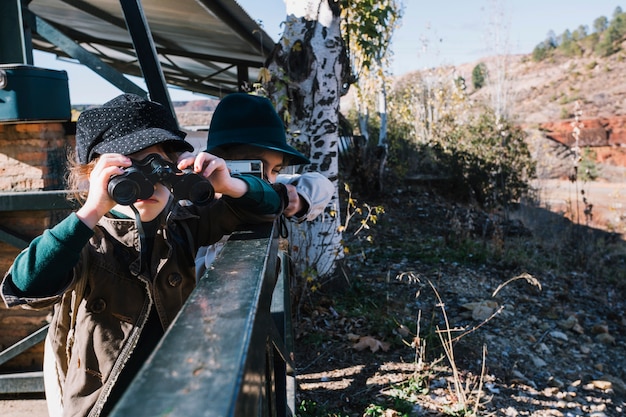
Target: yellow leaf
{"type": "Point", "coordinates": [373, 344]}
{"type": "Point", "coordinates": [265, 76]}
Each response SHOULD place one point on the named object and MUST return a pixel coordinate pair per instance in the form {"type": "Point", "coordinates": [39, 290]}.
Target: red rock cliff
{"type": "Point", "coordinates": [604, 131]}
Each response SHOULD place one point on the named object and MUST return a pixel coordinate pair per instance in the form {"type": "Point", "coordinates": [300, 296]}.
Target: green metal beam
{"type": "Point", "coordinates": [12, 239]}
{"type": "Point", "coordinates": [23, 345]}
{"type": "Point", "coordinates": [226, 365]}
{"type": "Point", "coordinates": [35, 200]}
{"type": "Point", "coordinates": [22, 383]}
{"type": "Point", "coordinates": [67, 45]}
{"type": "Point", "coordinates": [30, 201]}
{"type": "Point", "coordinates": [146, 53]}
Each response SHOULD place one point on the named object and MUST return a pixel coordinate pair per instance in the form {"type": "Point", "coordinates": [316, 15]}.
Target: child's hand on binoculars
{"type": "Point", "coordinates": [216, 171]}
{"type": "Point", "coordinates": [99, 202]}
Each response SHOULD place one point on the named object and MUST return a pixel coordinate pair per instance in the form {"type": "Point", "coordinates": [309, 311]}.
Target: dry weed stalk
{"type": "Point", "coordinates": [577, 125]}
{"type": "Point", "coordinates": [467, 395]}
{"type": "Point", "coordinates": [463, 394]}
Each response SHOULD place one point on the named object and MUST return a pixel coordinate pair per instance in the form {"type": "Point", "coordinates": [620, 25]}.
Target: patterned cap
{"type": "Point", "coordinates": [127, 124]}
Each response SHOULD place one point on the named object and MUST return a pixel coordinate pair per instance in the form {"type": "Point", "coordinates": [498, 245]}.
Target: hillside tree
{"type": "Point", "coordinates": [479, 74]}
{"type": "Point", "coordinates": [580, 33]}
{"type": "Point", "coordinates": [600, 24]}
{"type": "Point", "coordinates": [368, 27]}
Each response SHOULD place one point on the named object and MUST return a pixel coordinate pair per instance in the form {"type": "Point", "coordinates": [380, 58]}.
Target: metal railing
{"type": "Point", "coordinates": [228, 352]}
{"type": "Point", "coordinates": [55, 200]}
{"type": "Point", "coordinates": [22, 382]}
{"type": "Point", "coordinates": [26, 382]}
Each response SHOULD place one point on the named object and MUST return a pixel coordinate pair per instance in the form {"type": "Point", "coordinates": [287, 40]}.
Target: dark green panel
{"type": "Point", "coordinates": [12, 44]}
{"type": "Point", "coordinates": [30, 93]}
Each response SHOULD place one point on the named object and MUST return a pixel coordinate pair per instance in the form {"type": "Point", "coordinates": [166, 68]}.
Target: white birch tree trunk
{"type": "Point", "coordinates": [307, 73]}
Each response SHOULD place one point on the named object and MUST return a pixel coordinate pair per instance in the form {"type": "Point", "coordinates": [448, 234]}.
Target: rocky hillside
{"type": "Point", "coordinates": [546, 96]}
{"type": "Point", "coordinates": [546, 91]}
{"type": "Point", "coordinates": [194, 113]}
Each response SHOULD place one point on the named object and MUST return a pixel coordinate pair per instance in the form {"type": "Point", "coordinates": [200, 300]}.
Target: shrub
{"type": "Point", "coordinates": [479, 76]}
{"type": "Point", "coordinates": [489, 161]}
{"type": "Point", "coordinates": [540, 53]}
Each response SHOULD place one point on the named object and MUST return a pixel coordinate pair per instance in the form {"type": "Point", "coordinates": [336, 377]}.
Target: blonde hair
{"type": "Point", "coordinates": [78, 177]}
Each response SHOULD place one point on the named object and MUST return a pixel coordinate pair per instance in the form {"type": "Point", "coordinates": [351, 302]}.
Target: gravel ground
{"type": "Point", "coordinates": [553, 333]}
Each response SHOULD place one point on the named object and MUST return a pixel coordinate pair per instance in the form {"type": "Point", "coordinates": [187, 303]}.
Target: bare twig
{"type": "Point", "coordinates": [526, 276]}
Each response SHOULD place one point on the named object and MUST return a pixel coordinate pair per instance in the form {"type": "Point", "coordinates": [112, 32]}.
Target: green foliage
{"type": "Point", "coordinates": [434, 131]}
{"type": "Point", "coordinates": [587, 169]}
{"type": "Point", "coordinates": [503, 161]}
{"type": "Point", "coordinates": [600, 24]}
{"type": "Point", "coordinates": [580, 33]}
{"type": "Point", "coordinates": [590, 42]}
{"type": "Point", "coordinates": [604, 41]}
{"type": "Point", "coordinates": [309, 408]}
{"type": "Point", "coordinates": [479, 76]}
{"type": "Point", "coordinates": [485, 161]}
{"type": "Point", "coordinates": [367, 28]}
{"type": "Point", "coordinates": [401, 398]}
{"type": "Point", "coordinates": [608, 45]}
{"type": "Point", "coordinates": [570, 47]}
{"type": "Point", "coordinates": [540, 52]}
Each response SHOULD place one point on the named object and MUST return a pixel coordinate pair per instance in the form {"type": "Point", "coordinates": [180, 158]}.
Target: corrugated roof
{"type": "Point", "coordinates": [201, 44]}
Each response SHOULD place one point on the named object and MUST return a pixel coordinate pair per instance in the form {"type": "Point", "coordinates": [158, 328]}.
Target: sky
{"type": "Point", "coordinates": [431, 34]}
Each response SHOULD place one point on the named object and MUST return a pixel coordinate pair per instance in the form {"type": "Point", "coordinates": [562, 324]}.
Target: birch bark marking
{"type": "Point", "coordinates": [307, 72]}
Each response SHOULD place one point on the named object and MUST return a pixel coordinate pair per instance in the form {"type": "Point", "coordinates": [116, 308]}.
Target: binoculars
{"type": "Point", "coordinates": [138, 181]}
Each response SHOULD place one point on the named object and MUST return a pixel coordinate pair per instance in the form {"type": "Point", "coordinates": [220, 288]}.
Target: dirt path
{"type": "Point", "coordinates": [607, 200]}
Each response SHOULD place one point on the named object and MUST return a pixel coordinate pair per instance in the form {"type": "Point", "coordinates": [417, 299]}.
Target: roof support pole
{"type": "Point", "coordinates": [13, 46]}
{"type": "Point", "coordinates": [242, 78]}
{"type": "Point", "coordinates": [146, 53]}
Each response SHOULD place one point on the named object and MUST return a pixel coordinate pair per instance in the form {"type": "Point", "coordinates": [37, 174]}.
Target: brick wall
{"type": "Point", "coordinates": [32, 158]}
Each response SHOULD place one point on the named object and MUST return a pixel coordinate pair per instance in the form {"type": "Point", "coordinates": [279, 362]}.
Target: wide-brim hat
{"type": "Point", "coordinates": [246, 119]}
{"type": "Point", "coordinates": [127, 124]}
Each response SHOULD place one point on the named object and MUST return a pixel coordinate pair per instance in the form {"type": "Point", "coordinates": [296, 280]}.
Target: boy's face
{"type": "Point", "coordinates": [151, 207]}
{"type": "Point", "coordinates": [272, 164]}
